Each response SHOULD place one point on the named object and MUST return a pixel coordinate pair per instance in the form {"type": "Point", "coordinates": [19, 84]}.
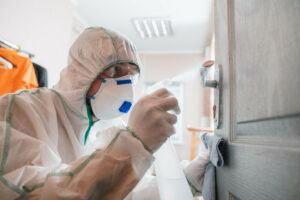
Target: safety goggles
{"type": "Point", "coordinates": [120, 70]}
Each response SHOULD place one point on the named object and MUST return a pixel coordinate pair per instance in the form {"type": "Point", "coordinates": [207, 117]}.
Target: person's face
{"type": "Point", "coordinates": [115, 71]}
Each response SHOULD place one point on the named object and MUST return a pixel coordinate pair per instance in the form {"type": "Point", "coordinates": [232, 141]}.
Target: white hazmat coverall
{"type": "Point", "coordinates": [42, 133]}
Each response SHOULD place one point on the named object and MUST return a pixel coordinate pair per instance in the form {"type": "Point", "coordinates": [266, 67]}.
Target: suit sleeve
{"type": "Point", "coordinates": [108, 173]}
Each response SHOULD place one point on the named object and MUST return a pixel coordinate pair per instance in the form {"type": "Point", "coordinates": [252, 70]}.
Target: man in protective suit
{"type": "Point", "coordinates": [43, 131]}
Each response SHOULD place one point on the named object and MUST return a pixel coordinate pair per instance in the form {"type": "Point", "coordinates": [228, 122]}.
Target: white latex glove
{"type": "Point", "coordinates": [195, 170]}
{"type": "Point", "coordinates": [149, 118]}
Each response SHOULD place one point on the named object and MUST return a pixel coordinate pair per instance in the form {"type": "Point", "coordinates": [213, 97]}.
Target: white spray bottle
{"type": "Point", "coordinates": [172, 183]}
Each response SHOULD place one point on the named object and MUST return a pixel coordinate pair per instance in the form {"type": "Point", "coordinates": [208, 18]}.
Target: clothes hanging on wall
{"type": "Point", "coordinates": [21, 76]}
{"type": "Point", "coordinates": [41, 75]}
{"type": "Point", "coordinates": [6, 64]}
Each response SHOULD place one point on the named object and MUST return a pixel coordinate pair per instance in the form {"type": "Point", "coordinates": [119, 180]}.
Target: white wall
{"type": "Point", "coordinates": [197, 101]}
{"type": "Point", "coordinates": [45, 29]}
{"type": "Point", "coordinates": [41, 27]}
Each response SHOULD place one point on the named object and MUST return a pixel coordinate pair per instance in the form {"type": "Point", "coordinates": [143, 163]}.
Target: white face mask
{"type": "Point", "coordinates": [114, 98]}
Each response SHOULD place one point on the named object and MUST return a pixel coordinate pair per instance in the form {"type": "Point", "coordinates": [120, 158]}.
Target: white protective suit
{"type": "Point", "coordinates": [42, 133]}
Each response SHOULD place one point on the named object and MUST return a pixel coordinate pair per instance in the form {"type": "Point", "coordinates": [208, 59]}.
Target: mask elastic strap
{"type": "Point", "coordinates": [91, 122]}
{"type": "Point", "coordinates": [101, 79]}
{"type": "Point", "coordinates": [91, 97]}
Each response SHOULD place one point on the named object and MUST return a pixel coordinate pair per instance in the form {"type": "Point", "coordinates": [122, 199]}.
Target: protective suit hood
{"type": "Point", "coordinates": [95, 50]}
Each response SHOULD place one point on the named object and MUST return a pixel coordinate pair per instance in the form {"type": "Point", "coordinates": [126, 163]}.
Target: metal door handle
{"type": "Point", "coordinates": [204, 71]}
{"type": "Point", "coordinates": [216, 85]}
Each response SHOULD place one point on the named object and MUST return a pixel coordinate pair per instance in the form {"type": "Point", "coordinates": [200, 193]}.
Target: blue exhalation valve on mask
{"type": "Point", "coordinates": [125, 107]}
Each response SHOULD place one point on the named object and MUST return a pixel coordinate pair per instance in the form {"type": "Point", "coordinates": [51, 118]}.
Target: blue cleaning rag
{"type": "Point", "coordinates": [214, 144]}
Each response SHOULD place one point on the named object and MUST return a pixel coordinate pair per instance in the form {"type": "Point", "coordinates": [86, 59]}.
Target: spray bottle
{"type": "Point", "coordinates": [172, 183]}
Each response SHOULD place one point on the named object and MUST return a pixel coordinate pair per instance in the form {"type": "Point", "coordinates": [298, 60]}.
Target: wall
{"type": "Point", "coordinates": [185, 69]}
{"type": "Point", "coordinates": [40, 27]}
{"type": "Point", "coordinates": [46, 28]}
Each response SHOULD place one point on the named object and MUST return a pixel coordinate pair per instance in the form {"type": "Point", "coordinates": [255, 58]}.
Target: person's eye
{"type": "Point", "coordinates": [119, 71]}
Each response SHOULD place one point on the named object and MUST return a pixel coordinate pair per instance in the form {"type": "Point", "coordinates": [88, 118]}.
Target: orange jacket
{"type": "Point", "coordinates": [21, 76]}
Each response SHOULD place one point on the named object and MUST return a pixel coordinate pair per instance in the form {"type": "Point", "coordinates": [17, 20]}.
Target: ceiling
{"type": "Point", "coordinates": [191, 22]}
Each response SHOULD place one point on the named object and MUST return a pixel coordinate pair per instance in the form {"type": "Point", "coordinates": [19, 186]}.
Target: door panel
{"type": "Point", "coordinates": [258, 45]}
{"type": "Point", "coordinates": [266, 57]}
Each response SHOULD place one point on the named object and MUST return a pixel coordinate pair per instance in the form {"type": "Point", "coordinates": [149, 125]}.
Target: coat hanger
{"type": "Point", "coordinates": [5, 63]}
{"type": "Point", "coordinates": [6, 44]}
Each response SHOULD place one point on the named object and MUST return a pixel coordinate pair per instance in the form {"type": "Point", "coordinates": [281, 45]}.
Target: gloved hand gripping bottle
{"type": "Point", "coordinates": [172, 183]}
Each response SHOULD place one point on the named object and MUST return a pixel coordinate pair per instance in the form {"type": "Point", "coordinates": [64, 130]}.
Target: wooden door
{"type": "Point", "coordinates": [258, 46]}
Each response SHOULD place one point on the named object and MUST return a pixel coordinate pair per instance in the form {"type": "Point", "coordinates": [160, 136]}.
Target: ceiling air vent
{"type": "Point", "coordinates": [153, 27]}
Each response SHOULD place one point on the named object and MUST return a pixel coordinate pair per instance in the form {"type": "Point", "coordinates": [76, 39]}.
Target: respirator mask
{"type": "Point", "coordinates": [114, 97]}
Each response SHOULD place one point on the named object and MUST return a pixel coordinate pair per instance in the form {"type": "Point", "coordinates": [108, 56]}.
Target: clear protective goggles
{"type": "Point", "coordinates": [121, 70]}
